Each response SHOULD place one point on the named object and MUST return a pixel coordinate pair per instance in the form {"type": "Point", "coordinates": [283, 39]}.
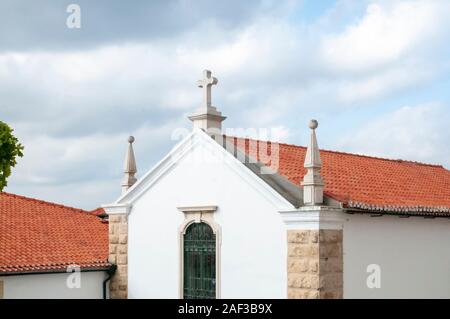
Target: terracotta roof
{"type": "Point", "coordinates": [99, 212]}
{"type": "Point", "coordinates": [368, 183]}
{"type": "Point", "coordinates": [39, 236]}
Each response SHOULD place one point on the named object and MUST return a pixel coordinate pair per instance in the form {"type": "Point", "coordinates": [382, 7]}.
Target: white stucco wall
{"type": "Point", "coordinates": [253, 251]}
{"type": "Point", "coordinates": [53, 286]}
{"type": "Point", "coordinates": [413, 253]}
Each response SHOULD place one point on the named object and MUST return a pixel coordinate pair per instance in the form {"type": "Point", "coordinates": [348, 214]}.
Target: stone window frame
{"type": "Point", "coordinates": [199, 214]}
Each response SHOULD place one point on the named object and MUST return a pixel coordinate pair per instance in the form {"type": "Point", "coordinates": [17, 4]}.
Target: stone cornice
{"type": "Point", "coordinates": [196, 209]}
{"type": "Point", "coordinates": [114, 209]}
{"type": "Point", "coordinates": [313, 217]}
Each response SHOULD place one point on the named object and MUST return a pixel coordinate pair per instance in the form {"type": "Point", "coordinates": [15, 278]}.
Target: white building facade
{"type": "Point", "coordinates": [265, 235]}
{"type": "Point", "coordinates": [89, 285]}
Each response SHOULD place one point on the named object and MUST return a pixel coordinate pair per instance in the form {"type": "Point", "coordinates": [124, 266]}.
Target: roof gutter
{"type": "Point", "coordinates": [401, 214]}
{"type": "Point", "coordinates": [52, 271]}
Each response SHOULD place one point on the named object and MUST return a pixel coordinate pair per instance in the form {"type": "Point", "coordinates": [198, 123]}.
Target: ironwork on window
{"type": "Point", "coordinates": [199, 262]}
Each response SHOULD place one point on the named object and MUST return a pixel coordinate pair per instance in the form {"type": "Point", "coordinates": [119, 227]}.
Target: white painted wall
{"type": "Point", "coordinates": [413, 253]}
{"type": "Point", "coordinates": [253, 252]}
{"type": "Point", "coordinates": [53, 286]}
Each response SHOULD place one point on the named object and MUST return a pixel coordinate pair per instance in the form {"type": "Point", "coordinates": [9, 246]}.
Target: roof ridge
{"type": "Point", "coordinates": [45, 202]}
{"type": "Point", "coordinates": [347, 153]}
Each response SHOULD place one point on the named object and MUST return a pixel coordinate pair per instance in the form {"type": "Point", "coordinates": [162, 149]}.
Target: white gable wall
{"type": "Point", "coordinates": [413, 253]}
{"type": "Point", "coordinates": [253, 250]}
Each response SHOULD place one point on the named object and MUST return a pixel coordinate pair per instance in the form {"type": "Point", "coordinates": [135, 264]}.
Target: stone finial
{"type": "Point", "coordinates": [313, 124]}
{"type": "Point", "coordinates": [207, 117]}
{"type": "Point", "coordinates": [312, 181]}
{"type": "Point", "coordinates": [129, 167]}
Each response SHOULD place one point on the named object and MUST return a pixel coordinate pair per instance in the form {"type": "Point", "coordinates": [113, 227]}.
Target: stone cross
{"type": "Point", "coordinates": [206, 84]}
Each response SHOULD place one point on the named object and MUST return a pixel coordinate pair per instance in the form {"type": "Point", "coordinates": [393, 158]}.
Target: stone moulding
{"type": "Point", "coordinates": [195, 209]}
{"type": "Point", "coordinates": [199, 214]}
{"type": "Point", "coordinates": [114, 209]}
{"type": "Point", "coordinates": [313, 217]}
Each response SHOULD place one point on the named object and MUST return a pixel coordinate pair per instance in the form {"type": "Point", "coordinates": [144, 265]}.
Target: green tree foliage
{"type": "Point", "coordinates": [10, 149]}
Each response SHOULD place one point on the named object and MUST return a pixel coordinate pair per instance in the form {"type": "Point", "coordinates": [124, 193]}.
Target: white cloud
{"type": "Point", "coordinates": [52, 166]}
{"type": "Point", "coordinates": [412, 133]}
{"type": "Point", "coordinates": [388, 32]}
{"type": "Point", "coordinates": [384, 82]}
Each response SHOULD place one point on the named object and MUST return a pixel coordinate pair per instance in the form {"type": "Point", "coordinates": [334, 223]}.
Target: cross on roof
{"type": "Point", "coordinates": [206, 84]}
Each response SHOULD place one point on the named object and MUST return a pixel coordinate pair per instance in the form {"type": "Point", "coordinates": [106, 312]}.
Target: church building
{"type": "Point", "coordinates": [232, 217]}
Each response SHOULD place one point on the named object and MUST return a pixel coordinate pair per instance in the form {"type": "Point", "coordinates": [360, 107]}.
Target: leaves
{"type": "Point", "coordinates": [10, 149]}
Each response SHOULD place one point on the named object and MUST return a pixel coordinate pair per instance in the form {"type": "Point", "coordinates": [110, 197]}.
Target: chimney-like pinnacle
{"type": "Point", "coordinates": [129, 167]}
{"type": "Point", "coordinates": [312, 182]}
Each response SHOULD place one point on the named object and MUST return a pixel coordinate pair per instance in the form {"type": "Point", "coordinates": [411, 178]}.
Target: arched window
{"type": "Point", "coordinates": [199, 262]}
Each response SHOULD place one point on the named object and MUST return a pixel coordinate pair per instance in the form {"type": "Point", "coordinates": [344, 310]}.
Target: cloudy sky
{"type": "Point", "coordinates": [374, 73]}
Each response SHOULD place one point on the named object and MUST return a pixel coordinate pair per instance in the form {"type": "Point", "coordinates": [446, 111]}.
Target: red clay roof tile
{"type": "Point", "coordinates": [363, 181]}
{"type": "Point", "coordinates": [38, 236]}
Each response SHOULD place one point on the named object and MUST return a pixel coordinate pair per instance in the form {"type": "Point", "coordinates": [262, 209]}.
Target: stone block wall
{"type": "Point", "coordinates": [315, 264]}
{"type": "Point", "coordinates": [118, 254]}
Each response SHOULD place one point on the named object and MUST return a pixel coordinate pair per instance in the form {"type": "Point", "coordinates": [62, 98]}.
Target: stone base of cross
{"type": "Point", "coordinates": [207, 117]}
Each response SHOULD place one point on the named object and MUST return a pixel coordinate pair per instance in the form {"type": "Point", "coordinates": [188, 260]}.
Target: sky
{"type": "Point", "coordinates": [374, 73]}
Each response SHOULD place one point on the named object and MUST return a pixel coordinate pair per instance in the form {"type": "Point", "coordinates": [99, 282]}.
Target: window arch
{"type": "Point", "coordinates": [199, 262]}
